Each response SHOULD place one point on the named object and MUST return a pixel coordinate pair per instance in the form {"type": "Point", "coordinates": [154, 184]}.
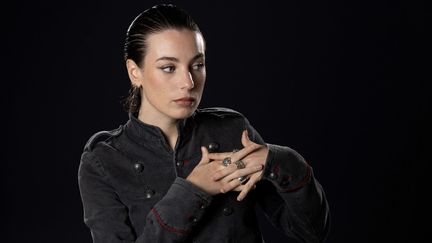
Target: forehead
{"type": "Point", "coordinates": [182, 44]}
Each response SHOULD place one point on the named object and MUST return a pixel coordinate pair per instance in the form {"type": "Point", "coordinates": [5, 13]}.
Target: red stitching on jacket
{"type": "Point", "coordinates": [165, 226]}
{"type": "Point", "coordinates": [304, 181]}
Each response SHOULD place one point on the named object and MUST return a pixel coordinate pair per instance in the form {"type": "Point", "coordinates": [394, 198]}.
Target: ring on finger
{"type": "Point", "coordinates": [242, 179]}
{"type": "Point", "coordinates": [226, 161]}
{"type": "Point", "coordinates": [240, 164]}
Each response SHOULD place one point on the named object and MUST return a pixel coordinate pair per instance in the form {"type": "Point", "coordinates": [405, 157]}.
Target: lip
{"type": "Point", "coordinates": [185, 101]}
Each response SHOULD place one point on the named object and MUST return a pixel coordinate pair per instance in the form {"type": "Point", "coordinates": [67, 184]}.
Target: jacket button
{"type": "Point", "coordinates": [149, 193]}
{"type": "Point", "coordinates": [179, 163]}
{"type": "Point", "coordinates": [273, 176]}
{"type": "Point", "coordinates": [213, 147]}
{"type": "Point", "coordinates": [193, 219]}
{"type": "Point", "coordinates": [202, 205]}
{"type": "Point", "coordinates": [138, 167]}
{"type": "Point", "coordinates": [227, 211]}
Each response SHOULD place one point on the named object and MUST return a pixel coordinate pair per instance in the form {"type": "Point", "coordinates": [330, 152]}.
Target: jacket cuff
{"type": "Point", "coordinates": [286, 168]}
{"type": "Point", "coordinates": [182, 207]}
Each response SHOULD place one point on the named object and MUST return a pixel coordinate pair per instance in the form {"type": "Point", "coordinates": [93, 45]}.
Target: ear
{"type": "Point", "coordinates": [134, 72]}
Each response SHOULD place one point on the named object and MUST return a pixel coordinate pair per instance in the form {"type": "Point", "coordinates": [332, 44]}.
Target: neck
{"type": "Point", "coordinates": [167, 125]}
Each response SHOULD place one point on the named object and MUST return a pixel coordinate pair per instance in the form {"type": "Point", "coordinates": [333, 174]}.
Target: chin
{"type": "Point", "coordinates": [183, 113]}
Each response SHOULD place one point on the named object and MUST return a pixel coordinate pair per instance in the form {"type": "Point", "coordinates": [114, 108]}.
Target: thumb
{"type": "Point", "coordinates": [245, 138]}
{"type": "Point", "coordinates": [205, 155]}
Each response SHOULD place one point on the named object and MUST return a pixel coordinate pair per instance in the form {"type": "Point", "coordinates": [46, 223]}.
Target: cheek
{"type": "Point", "coordinates": [201, 84]}
{"type": "Point", "coordinates": [157, 83]}
{"type": "Point", "coordinates": [200, 79]}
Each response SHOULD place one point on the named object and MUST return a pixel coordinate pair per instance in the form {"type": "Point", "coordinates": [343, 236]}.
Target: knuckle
{"type": "Point", "coordinates": [246, 172]}
{"type": "Point", "coordinates": [250, 148]}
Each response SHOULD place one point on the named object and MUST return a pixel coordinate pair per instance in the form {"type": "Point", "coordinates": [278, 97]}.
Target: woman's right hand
{"type": "Point", "coordinates": [202, 175]}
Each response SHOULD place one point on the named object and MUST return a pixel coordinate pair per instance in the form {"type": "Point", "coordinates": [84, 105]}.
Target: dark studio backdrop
{"type": "Point", "coordinates": [342, 82]}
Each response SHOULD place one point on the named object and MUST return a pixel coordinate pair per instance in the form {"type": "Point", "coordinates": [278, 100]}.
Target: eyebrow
{"type": "Point", "coordinates": [174, 59]}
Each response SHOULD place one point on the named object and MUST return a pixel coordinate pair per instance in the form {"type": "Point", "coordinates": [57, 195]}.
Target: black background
{"type": "Point", "coordinates": [342, 82]}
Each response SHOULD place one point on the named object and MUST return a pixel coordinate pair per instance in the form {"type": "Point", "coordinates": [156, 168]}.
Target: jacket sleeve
{"type": "Point", "coordinates": [170, 220]}
{"type": "Point", "coordinates": [290, 196]}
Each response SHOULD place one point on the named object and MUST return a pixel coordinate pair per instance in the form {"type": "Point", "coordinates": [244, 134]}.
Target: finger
{"type": "Point", "coordinates": [245, 151]}
{"type": "Point", "coordinates": [235, 182]}
{"type": "Point", "coordinates": [243, 172]}
{"type": "Point", "coordinates": [205, 156]}
{"type": "Point", "coordinates": [245, 138]}
{"type": "Point", "coordinates": [239, 188]}
{"type": "Point", "coordinates": [251, 184]}
{"type": "Point", "coordinates": [223, 172]}
{"type": "Point", "coordinates": [219, 156]}
{"type": "Point", "coordinates": [237, 155]}
{"type": "Point", "coordinates": [230, 186]}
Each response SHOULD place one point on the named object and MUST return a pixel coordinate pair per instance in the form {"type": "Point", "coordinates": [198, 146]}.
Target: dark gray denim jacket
{"type": "Point", "coordinates": [133, 186]}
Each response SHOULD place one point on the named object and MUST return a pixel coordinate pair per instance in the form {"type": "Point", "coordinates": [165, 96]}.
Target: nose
{"type": "Point", "coordinates": [187, 81]}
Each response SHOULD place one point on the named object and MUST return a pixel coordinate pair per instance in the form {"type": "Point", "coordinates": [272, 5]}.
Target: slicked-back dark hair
{"type": "Point", "coordinates": [153, 20]}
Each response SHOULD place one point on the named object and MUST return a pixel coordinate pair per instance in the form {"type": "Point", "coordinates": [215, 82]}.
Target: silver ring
{"type": "Point", "coordinates": [242, 179]}
{"type": "Point", "coordinates": [240, 164]}
{"type": "Point", "coordinates": [226, 161]}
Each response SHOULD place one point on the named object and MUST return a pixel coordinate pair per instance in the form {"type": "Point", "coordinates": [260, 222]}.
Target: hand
{"type": "Point", "coordinates": [202, 173]}
{"type": "Point", "coordinates": [253, 155]}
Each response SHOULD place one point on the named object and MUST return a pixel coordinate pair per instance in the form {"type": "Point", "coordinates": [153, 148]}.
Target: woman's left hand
{"type": "Point", "coordinates": [252, 155]}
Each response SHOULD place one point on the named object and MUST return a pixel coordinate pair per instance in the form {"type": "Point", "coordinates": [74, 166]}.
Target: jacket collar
{"type": "Point", "coordinates": [142, 132]}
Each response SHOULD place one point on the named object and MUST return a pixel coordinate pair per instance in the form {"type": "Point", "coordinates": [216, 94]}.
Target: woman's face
{"type": "Point", "coordinates": [173, 74]}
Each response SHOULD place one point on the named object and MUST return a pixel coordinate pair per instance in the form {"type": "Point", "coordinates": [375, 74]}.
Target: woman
{"type": "Point", "coordinates": [175, 173]}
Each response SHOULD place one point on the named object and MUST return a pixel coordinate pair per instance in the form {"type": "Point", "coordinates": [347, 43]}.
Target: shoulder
{"type": "Point", "coordinates": [218, 112]}
{"type": "Point", "coordinates": [96, 148]}
{"type": "Point", "coordinates": [216, 118]}
{"type": "Point", "coordinates": [102, 136]}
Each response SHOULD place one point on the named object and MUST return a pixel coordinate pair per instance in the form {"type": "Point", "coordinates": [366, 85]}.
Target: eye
{"type": "Point", "coordinates": [197, 66]}
{"type": "Point", "coordinates": [168, 69]}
